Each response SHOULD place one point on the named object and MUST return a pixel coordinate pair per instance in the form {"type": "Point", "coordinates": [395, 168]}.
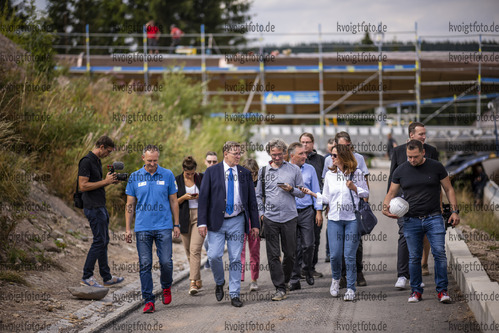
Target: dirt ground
{"type": "Point", "coordinates": [46, 300]}
{"type": "Point", "coordinates": [484, 247]}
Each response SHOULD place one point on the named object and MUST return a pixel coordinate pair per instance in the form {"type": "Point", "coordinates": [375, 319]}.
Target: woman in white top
{"type": "Point", "coordinates": [342, 179]}
{"type": "Point", "coordinates": [189, 183]}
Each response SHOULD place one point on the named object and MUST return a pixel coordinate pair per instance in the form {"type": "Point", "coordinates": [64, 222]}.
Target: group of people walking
{"type": "Point", "coordinates": [284, 202]}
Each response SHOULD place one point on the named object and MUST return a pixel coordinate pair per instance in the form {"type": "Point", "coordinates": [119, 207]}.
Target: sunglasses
{"type": "Point", "coordinates": [334, 155]}
{"type": "Point", "coordinates": [211, 162]}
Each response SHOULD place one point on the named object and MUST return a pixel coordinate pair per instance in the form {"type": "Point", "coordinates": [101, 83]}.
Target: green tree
{"type": "Point", "coordinates": [104, 16]}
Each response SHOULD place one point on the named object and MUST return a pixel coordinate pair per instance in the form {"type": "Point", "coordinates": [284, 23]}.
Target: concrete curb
{"type": "Point", "coordinates": [125, 300]}
{"type": "Point", "coordinates": [481, 294]}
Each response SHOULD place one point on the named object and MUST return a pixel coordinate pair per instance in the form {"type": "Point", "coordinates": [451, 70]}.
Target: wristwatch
{"type": "Point", "coordinates": [176, 225]}
{"type": "Point", "coordinates": [455, 211]}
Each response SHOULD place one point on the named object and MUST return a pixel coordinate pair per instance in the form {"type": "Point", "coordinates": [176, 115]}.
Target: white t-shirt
{"type": "Point", "coordinates": [191, 190]}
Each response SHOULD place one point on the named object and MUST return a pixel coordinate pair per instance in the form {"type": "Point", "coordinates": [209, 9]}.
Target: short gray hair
{"type": "Point", "coordinates": [276, 143]}
{"type": "Point", "coordinates": [229, 145]}
{"type": "Point", "coordinates": [292, 147]}
{"type": "Point", "coordinates": [150, 148]}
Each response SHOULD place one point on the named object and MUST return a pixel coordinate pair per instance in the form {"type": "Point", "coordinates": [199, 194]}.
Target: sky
{"type": "Point", "coordinates": [432, 16]}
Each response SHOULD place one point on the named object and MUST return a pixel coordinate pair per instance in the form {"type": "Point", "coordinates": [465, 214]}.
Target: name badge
{"type": "Point", "coordinates": [160, 182]}
{"type": "Point", "coordinates": [142, 184]}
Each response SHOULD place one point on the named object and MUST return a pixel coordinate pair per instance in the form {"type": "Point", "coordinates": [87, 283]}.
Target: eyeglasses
{"type": "Point", "coordinates": [334, 155]}
{"type": "Point", "coordinates": [277, 155]}
{"type": "Point", "coordinates": [235, 154]}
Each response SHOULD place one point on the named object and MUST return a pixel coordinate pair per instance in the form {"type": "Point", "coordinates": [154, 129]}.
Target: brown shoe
{"type": "Point", "coordinates": [193, 290]}
{"type": "Point", "coordinates": [424, 270]}
{"type": "Point", "coordinates": [199, 284]}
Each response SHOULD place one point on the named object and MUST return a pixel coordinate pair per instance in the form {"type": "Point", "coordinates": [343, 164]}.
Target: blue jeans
{"type": "Point", "coordinates": [414, 231]}
{"type": "Point", "coordinates": [232, 231]}
{"type": "Point", "coordinates": [99, 223]}
{"type": "Point", "coordinates": [343, 234]}
{"type": "Point", "coordinates": [163, 240]}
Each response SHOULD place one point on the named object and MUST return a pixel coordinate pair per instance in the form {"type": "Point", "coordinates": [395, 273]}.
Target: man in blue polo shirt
{"type": "Point", "coordinates": [151, 193]}
{"type": "Point", "coordinates": [306, 218]}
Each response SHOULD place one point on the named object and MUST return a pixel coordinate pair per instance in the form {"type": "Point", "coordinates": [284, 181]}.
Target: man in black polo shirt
{"type": "Point", "coordinates": [420, 179]}
{"type": "Point", "coordinates": [317, 161]}
{"type": "Point", "coordinates": [417, 131]}
{"type": "Point", "coordinates": [94, 206]}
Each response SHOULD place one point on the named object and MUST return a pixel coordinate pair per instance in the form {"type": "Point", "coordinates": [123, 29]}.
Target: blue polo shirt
{"type": "Point", "coordinates": [152, 211]}
{"type": "Point", "coordinates": [311, 182]}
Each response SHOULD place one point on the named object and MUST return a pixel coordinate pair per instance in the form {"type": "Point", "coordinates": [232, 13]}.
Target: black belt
{"type": "Point", "coordinates": [299, 210]}
{"type": "Point", "coordinates": [426, 216]}
{"type": "Point", "coordinates": [231, 217]}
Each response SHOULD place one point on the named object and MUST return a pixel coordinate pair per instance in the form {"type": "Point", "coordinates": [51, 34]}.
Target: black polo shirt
{"type": "Point", "coordinates": [91, 167]}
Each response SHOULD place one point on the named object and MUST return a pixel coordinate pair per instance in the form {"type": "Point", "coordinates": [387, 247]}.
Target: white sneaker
{"type": "Point", "coordinates": [335, 288]}
{"type": "Point", "coordinates": [422, 285]}
{"type": "Point", "coordinates": [401, 281]}
{"type": "Point", "coordinates": [349, 295]}
{"type": "Point", "coordinates": [253, 286]}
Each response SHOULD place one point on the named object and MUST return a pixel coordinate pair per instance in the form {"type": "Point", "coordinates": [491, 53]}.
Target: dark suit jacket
{"type": "Point", "coordinates": [183, 213]}
{"type": "Point", "coordinates": [400, 156]}
{"type": "Point", "coordinates": [212, 198]}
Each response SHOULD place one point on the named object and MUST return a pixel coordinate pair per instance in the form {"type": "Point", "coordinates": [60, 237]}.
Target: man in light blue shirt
{"type": "Point", "coordinates": [152, 194]}
{"type": "Point", "coordinates": [309, 212]}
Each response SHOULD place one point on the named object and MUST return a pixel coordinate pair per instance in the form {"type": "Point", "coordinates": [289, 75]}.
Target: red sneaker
{"type": "Point", "coordinates": [167, 295]}
{"type": "Point", "coordinates": [444, 297]}
{"type": "Point", "coordinates": [149, 308]}
{"type": "Point", "coordinates": [415, 297]}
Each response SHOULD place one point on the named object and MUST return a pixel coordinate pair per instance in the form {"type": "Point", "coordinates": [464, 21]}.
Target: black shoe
{"type": "Point", "coordinates": [316, 274]}
{"type": "Point", "coordinates": [219, 291]}
{"type": "Point", "coordinates": [361, 282]}
{"type": "Point", "coordinates": [343, 282]}
{"type": "Point", "coordinates": [295, 286]}
{"type": "Point", "coordinates": [236, 302]}
{"type": "Point", "coordinates": [328, 259]}
{"type": "Point", "coordinates": [310, 278]}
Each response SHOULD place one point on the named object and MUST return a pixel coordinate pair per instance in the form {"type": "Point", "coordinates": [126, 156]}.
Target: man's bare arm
{"type": "Point", "coordinates": [451, 196]}
{"type": "Point", "coordinates": [129, 211]}
{"type": "Point", "coordinates": [86, 186]}
{"type": "Point", "coordinates": [392, 192]}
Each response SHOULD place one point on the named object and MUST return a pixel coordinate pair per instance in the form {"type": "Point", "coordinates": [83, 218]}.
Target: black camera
{"type": "Point", "coordinates": [446, 215]}
{"type": "Point", "coordinates": [118, 166]}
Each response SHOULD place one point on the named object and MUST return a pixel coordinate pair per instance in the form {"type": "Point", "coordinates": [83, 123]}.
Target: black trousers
{"type": "Point", "coordinates": [304, 243]}
{"type": "Point", "coordinates": [402, 252]}
{"type": "Point", "coordinates": [284, 233]}
{"type": "Point", "coordinates": [317, 243]}
{"type": "Point", "coordinates": [99, 223]}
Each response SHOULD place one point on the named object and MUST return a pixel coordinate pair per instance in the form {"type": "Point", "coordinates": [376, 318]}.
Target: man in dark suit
{"type": "Point", "coordinates": [227, 205]}
{"type": "Point", "coordinates": [416, 132]}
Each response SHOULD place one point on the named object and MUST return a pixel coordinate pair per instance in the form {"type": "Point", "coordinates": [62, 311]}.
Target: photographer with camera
{"type": "Point", "coordinates": [94, 206]}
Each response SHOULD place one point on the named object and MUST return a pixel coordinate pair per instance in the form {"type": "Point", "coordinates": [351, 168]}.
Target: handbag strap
{"type": "Point", "coordinates": [351, 195]}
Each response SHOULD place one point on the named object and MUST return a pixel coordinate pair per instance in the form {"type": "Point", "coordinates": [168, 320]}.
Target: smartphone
{"type": "Point", "coordinates": [195, 195]}
{"type": "Point", "coordinates": [280, 184]}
